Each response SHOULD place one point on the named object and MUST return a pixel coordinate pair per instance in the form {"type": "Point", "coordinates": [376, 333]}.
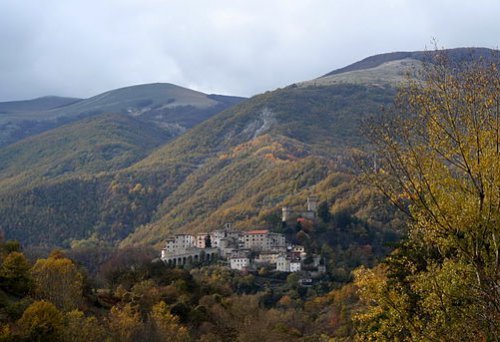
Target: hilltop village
{"type": "Point", "coordinates": [245, 250]}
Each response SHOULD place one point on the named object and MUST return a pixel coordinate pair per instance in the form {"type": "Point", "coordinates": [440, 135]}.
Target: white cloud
{"type": "Point", "coordinates": [81, 48]}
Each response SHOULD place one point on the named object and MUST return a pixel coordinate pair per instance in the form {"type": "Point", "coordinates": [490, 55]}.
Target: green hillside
{"type": "Point", "coordinates": [103, 143]}
{"type": "Point", "coordinates": [271, 150]}
{"type": "Point", "coordinates": [165, 105]}
{"type": "Point", "coordinates": [222, 170]}
{"type": "Point", "coordinates": [239, 166]}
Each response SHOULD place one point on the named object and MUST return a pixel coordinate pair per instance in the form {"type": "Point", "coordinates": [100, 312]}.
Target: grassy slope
{"type": "Point", "coordinates": [104, 143]}
{"type": "Point", "coordinates": [166, 105]}
{"type": "Point", "coordinates": [41, 103]}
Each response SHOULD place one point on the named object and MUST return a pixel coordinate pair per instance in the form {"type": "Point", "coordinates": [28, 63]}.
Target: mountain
{"type": "Point", "coordinates": [169, 106]}
{"type": "Point", "coordinates": [456, 55]}
{"type": "Point", "coordinates": [106, 142]}
{"type": "Point", "coordinates": [272, 150]}
{"type": "Point", "coordinates": [38, 104]}
{"type": "Point", "coordinates": [239, 166]}
{"type": "Point", "coordinates": [393, 68]}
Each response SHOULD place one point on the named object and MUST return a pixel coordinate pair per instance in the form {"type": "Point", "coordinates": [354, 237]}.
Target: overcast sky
{"type": "Point", "coordinates": [81, 48]}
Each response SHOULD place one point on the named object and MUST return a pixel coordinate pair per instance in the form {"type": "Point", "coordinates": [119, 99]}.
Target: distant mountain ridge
{"type": "Point", "coordinates": [457, 54]}
{"type": "Point", "coordinates": [172, 107]}
{"type": "Point", "coordinates": [392, 69]}
{"type": "Point", "coordinates": [40, 103]}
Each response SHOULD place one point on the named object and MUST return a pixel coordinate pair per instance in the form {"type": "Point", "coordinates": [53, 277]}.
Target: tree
{"type": "Point", "coordinates": [167, 326]}
{"type": "Point", "coordinates": [14, 274]}
{"type": "Point", "coordinates": [10, 246]}
{"type": "Point", "coordinates": [125, 323]}
{"type": "Point", "coordinates": [324, 212]}
{"type": "Point", "coordinates": [58, 280]}
{"type": "Point", "coordinates": [41, 321]}
{"type": "Point", "coordinates": [78, 328]}
{"type": "Point", "coordinates": [440, 156]}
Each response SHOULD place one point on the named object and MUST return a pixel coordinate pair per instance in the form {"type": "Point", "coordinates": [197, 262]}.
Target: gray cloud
{"type": "Point", "coordinates": [82, 48]}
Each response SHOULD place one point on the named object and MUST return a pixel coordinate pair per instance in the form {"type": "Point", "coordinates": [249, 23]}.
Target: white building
{"type": "Point", "coordinates": [182, 249]}
{"type": "Point", "coordinates": [256, 240]}
{"type": "Point", "coordinates": [239, 261]}
{"type": "Point", "coordinates": [286, 264]}
{"type": "Point", "coordinates": [263, 240]}
{"type": "Point", "coordinates": [216, 236]}
{"type": "Point", "coordinates": [295, 266]}
{"type": "Point", "coordinates": [201, 240]}
{"type": "Point", "coordinates": [228, 245]}
{"type": "Point", "coordinates": [178, 244]}
{"type": "Point", "coordinates": [282, 263]}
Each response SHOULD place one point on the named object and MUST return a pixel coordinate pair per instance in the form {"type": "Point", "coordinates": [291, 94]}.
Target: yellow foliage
{"type": "Point", "coordinates": [167, 324]}
{"type": "Point", "coordinates": [124, 323]}
{"type": "Point", "coordinates": [58, 280]}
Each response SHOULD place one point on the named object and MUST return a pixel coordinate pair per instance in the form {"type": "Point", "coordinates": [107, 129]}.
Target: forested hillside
{"type": "Point", "coordinates": [109, 190]}
{"type": "Point", "coordinates": [240, 166]}
{"type": "Point", "coordinates": [223, 170]}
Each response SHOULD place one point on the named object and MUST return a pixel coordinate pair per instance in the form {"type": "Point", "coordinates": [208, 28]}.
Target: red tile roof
{"type": "Point", "coordinates": [253, 232]}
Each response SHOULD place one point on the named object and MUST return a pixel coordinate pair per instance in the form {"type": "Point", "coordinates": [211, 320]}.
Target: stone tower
{"type": "Point", "coordinates": [286, 213]}
{"type": "Point", "coordinates": [312, 203]}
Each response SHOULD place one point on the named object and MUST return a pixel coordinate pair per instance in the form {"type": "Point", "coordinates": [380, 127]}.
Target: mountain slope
{"type": "Point", "coordinates": [169, 106]}
{"type": "Point", "coordinates": [239, 166]}
{"type": "Point", "coordinates": [271, 150]}
{"type": "Point", "coordinates": [457, 55]}
{"type": "Point", "coordinates": [268, 151]}
{"type": "Point", "coordinates": [104, 143]}
{"type": "Point", "coordinates": [391, 69]}
{"type": "Point", "coordinates": [38, 104]}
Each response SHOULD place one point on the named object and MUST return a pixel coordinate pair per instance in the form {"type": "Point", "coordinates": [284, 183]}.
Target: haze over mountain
{"type": "Point", "coordinates": [239, 166]}
{"type": "Point", "coordinates": [166, 105]}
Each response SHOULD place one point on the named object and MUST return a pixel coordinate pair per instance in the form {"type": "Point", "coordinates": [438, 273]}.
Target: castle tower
{"type": "Point", "coordinates": [286, 213]}
{"type": "Point", "coordinates": [312, 203]}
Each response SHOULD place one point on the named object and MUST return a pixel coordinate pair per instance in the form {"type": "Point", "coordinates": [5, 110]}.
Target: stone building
{"type": "Point", "coordinates": [286, 263]}
{"type": "Point", "coordinates": [240, 260]}
{"type": "Point", "coordinates": [310, 213]}
{"type": "Point", "coordinates": [263, 240]}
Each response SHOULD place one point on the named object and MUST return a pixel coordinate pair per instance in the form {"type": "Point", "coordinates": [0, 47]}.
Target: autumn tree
{"type": "Point", "coordinates": [166, 325]}
{"type": "Point", "coordinates": [439, 157]}
{"type": "Point", "coordinates": [58, 280]}
{"type": "Point", "coordinates": [41, 321]}
{"type": "Point", "coordinates": [78, 328]}
{"type": "Point", "coordinates": [14, 274]}
{"type": "Point", "coordinates": [125, 323]}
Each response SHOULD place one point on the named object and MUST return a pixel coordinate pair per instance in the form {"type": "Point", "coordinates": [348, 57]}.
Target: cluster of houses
{"type": "Point", "coordinates": [242, 250]}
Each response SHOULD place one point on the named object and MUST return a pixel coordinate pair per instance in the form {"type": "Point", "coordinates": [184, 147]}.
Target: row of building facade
{"type": "Point", "coordinates": [242, 250]}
